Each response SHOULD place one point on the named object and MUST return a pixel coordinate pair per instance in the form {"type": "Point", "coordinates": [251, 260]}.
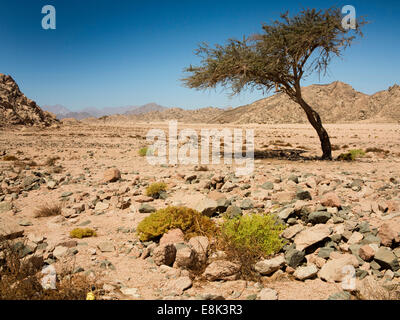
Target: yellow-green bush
{"type": "Point", "coordinates": [255, 233]}
{"type": "Point", "coordinates": [351, 155]}
{"type": "Point", "coordinates": [155, 189]}
{"type": "Point", "coordinates": [82, 233]}
{"type": "Point", "coordinates": [143, 151]}
{"type": "Point", "coordinates": [190, 221]}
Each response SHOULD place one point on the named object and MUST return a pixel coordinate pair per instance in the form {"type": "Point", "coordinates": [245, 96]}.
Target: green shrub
{"type": "Point", "coordinates": [190, 221]}
{"type": "Point", "coordinates": [155, 189]}
{"type": "Point", "coordinates": [143, 151]}
{"type": "Point", "coordinates": [351, 155]}
{"type": "Point", "coordinates": [255, 233]}
{"type": "Point", "coordinates": [82, 233]}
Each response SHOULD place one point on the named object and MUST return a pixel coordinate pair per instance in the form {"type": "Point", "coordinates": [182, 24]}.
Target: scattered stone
{"type": "Point", "coordinates": [319, 217]}
{"type": "Point", "coordinates": [387, 234]}
{"type": "Point", "coordinates": [311, 235]}
{"type": "Point", "coordinates": [184, 257]}
{"type": "Point", "coordinates": [233, 212]}
{"type": "Point", "coordinates": [164, 254]}
{"type": "Point", "coordinates": [268, 266]}
{"type": "Point", "coordinates": [111, 175]}
{"type": "Point", "coordinates": [60, 252]}
{"type": "Point", "coordinates": [221, 270]}
{"type": "Point", "coordinates": [106, 247]}
{"type": "Point", "coordinates": [308, 272]}
{"type": "Point", "coordinates": [303, 195]}
{"type": "Point", "coordinates": [178, 286]}
{"type": "Point", "coordinates": [386, 259]}
{"type": "Point", "coordinates": [5, 206]}
{"type": "Point", "coordinates": [331, 200]}
{"type": "Point", "coordinates": [146, 208]}
{"type": "Point", "coordinates": [294, 257]}
{"type": "Point", "coordinates": [172, 236]}
{"type": "Point", "coordinates": [333, 270]}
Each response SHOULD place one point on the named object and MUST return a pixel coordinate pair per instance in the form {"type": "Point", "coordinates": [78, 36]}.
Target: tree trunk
{"type": "Point", "coordinates": [315, 120]}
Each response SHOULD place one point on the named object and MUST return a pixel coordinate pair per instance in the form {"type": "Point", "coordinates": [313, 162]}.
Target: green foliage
{"type": "Point", "coordinates": [82, 233]}
{"type": "Point", "coordinates": [190, 221]}
{"type": "Point", "coordinates": [351, 155]}
{"type": "Point", "coordinates": [255, 233]}
{"type": "Point", "coordinates": [143, 151]}
{"type": "Point", "coordinates": [155, 189]}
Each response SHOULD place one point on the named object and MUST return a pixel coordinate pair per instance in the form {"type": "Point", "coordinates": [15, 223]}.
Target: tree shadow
{"type": "Point", "coordinates": [281, 154]}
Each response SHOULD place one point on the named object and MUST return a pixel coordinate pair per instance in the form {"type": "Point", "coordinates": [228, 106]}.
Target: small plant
{"type": "Point", "coordinates": [155, 189]}
{"type": "Point", "coordinates": [255, 232]}
{"type": "Point", "coordinates": [48, 210]}
{"type": "Point", "coordinates": [10, 158]}
{"type": "Point", "coordinates": [248, 238]}
{"type": "Point", "coordinates": [351, 155]}
{"type": "Point", "coordinates": [21, 278]}
{"type": "Point", "coordinates": [143, 151]}
{"type": "Point", "coordinates": [82, 233]}
{"type": "Point", "coordinates": [190, 221]}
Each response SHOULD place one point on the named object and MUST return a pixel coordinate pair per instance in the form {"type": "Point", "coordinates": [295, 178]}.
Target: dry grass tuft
{"type": "Point", "coordinates": [48, 210]}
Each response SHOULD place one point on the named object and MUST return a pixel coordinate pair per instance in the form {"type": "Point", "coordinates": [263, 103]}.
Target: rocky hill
{"type": "Point", "coordinates": [17, 109]}
{"type": "Point", "coordinates": [336, 103]}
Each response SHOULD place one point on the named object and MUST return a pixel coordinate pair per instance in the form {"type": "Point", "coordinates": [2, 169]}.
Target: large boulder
{"type": "Point", "coordinates": [312, 235]}
{"type": "Point", "coordinates": [334, 270]}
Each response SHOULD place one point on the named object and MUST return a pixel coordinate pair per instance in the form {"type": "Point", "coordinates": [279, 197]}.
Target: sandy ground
{"type": "Point", "coordinates": [87, 150]}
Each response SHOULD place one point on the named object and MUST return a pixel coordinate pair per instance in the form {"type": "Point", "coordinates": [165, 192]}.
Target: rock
{"type": "Point", "coordinates": [25, 223]}
{"type": "Point", "coordinates": [207, 206]}
{"type": "Point", "coordinates": [386, 259]}
{"type": "Point", "coordinates": [285, 213]}
{"type": "Point", "coordinates": [319, 217]}
{"type": "Point", "coordinates": [331, 200]}
{"type": "Point", "coordinates": [303, 195]}
{"type": "Point", "coordinates": [343, 295]}
{"type": "Point", "coordinates": [290, 232]}
{"type": "Point", "coordinates": [178, 286]}
{"type": "Point", "coordinates": [233, 212]}
{"type": "Point", "coordinates": [294, 257]}
{"type": "Point", "coordinates": [308, 272]}
{"type": "Point", "coordinates": [267, 294]}
{"type": "Point", "coordinates": [267, 186]}
{"type": "Point", "coordinates": [101, 206]}
{"type": "Point", "coordinates": [268, 266]}
{"type": "Point", "coordinates": [222, 270]}
{"type": "Point", "coordinates": [284, 196]}
{"type": "Point", "coordinates": [356, 237]}
{"type": "Point", "coordinates": [60, 252]}
{"type": "Point", "coordinates": [111, 175]}
{"type": "Point", "coordinates": [228, 187]}
{"type": "Point", "coordinates": [334, 270]}
{"type": "Point", "coordinates": [325, 252]}
{"type": "Point", "coordinates": [133, 292]}
{"type": "Point", "coordinates": [9, 229]}
{"type": "Point", "coordinates": [106, 247]}
{"type": "Point", "coordinates": [5, 206]}
{"type": "Point", "coordinates": [164, 254]}
{"type": "Point", "coordinates": [51, 184]}
{"type": "Point", "coordinates": [387, 234]}
{"type": "Point", "coordinates": [172, 236]}
{"type": "Point", "coordinates": [200, 246]}
{"type": "Point", "coordinates": [184, 257]}
{"type": "Point", "coordinates": [146, 208]}
{"type": "Point", "coordinates": [311, 235]}
{"type": "Point", "coordinates": [293, 178]}
{"type": "Point", "coordinates": [246, 204]}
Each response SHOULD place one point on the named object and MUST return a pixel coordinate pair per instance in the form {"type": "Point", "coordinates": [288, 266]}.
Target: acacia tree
{"type": "Point", "coordinates": [289, 50]}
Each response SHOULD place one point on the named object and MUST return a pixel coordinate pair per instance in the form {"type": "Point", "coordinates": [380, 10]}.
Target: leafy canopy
{"type": "Point", "coordinates": [288, 50]}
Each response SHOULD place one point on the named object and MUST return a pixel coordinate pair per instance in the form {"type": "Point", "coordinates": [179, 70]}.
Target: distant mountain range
{"type": "Point", "coordinates": [62, 112]}
{"type": "Point", "coordinates": [336, 102]}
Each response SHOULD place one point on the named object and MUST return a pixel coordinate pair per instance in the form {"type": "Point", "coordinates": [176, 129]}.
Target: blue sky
{"type": "Point", "coordinates": [118, 53]}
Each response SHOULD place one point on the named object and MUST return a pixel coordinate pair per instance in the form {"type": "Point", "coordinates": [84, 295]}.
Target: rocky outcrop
{"type": "Point", "coordinates": [17, 109]}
